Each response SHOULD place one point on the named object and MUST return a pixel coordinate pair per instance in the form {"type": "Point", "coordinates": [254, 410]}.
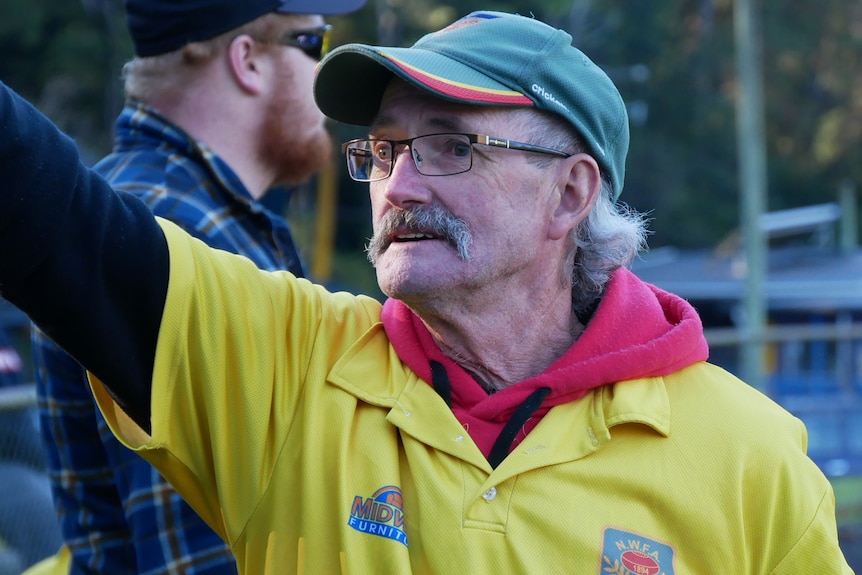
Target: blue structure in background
{"type": "Point", "coordinates": [813, 291]}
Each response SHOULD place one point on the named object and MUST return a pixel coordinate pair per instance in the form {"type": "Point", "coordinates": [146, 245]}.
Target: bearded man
{"type": "Point", "coordinates": [219, 111]}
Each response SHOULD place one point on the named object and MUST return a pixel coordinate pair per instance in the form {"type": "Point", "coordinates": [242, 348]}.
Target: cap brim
{"type": "Point", "coordinates": [351, 80]}
{"type": "Point", "coordinates": [323, 7]}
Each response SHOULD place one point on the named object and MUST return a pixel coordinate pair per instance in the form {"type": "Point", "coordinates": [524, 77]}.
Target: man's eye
{"type": "Point", "coordinates": [460, 149]}
{"type": "Point", "coordinates": [452, 146]}
{"type": "Point", "coordinates": [383, 152]}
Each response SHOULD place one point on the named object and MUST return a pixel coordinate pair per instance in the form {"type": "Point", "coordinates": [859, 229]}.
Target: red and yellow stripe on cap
{"type": "Point", "coordinates": [460, 90]}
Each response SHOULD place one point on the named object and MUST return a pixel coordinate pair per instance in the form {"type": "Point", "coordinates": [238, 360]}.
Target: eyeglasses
{"type": "Point", "coordinates": [314, 42]}
{"type": "Point", "coordinates": [370, 160]}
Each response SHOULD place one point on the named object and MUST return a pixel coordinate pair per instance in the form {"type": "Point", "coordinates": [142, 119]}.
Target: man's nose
{"type": "Point", "coordinates": [405, 185]}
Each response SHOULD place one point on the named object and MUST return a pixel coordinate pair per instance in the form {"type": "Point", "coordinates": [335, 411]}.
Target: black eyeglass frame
{"type": "Point", "coordinates": [473, 139]}
{"type": "Point", "coordinates": [316, 48]}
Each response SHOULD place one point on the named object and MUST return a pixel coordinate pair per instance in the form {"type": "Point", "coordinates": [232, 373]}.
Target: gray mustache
{"type": "Point", "coordinates": [432, 220]}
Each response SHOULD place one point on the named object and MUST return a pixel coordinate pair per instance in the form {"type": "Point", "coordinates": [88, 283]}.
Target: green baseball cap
{"type": "Point", "coordinates": [488, 59]}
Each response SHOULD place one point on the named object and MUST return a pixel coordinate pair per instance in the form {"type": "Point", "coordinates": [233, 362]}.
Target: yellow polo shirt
{"type": "Point", "coordinates": [283, 415]}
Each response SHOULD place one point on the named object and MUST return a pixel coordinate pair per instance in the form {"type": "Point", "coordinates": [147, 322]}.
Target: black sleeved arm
{"type": "Point", "coordinates": [88, 265]}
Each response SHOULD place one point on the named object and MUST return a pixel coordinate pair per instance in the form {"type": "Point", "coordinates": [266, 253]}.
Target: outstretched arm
{"type": "Point", "coordinates": [88, 265]}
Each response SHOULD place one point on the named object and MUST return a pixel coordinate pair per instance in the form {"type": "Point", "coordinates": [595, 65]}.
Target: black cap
{"type": "Point", "coordinates": [161, 26]}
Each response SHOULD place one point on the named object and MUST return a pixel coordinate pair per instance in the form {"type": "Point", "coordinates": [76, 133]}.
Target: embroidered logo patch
{"type": "Point", "coordinates": [381, 514]}
{"type": "Point", "coordinates": [626, 553]}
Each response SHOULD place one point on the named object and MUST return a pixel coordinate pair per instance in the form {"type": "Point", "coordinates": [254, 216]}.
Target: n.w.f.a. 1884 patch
{"type": "Point", "coordinates": [626, 553]}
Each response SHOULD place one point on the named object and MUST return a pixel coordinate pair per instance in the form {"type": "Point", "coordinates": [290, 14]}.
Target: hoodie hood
{"type": "Point", "coordinates": [637, 331]}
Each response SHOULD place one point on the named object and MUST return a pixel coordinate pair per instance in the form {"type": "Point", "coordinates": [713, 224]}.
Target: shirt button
{"type": "Point", "coordinates": [490, 494]}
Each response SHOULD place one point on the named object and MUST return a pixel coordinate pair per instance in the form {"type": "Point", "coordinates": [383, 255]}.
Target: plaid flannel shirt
{"type": "Point", "coordinates": [117, 513]}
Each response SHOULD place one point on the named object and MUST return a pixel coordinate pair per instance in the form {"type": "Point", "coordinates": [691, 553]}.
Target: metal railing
{"type": "Point", "coordinates": [821, 383]}
{"type": "Point", "coordinates": [29, 528]}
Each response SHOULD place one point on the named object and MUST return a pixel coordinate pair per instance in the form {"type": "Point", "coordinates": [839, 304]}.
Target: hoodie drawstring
{"type": "Point", "coordinates": [503, 444]}
{"type": "Point", "coordinates": [504, 441]}
{"type": "Point", "coordinates": [440, 381]}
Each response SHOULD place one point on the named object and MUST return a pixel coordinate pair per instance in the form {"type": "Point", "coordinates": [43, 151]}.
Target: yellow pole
{"type": "Point", "coordinates": [324, 241]}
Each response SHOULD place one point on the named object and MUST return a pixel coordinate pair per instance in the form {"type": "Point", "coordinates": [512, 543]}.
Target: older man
{"type": "Point", "coordinates": [521, 403]}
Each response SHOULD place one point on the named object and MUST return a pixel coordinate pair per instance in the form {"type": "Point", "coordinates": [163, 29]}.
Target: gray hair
{"type": "Point", "coordinates": [609, 238]}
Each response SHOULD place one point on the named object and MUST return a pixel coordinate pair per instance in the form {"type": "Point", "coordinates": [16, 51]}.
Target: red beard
{"type": "Point", "coordinates": [295, 154]}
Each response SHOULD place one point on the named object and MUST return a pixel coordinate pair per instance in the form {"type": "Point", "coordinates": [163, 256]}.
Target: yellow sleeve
{"type": "Point", "coordinates": [236, 347]}
{"type": "Point", "coordinates": [57, 564]}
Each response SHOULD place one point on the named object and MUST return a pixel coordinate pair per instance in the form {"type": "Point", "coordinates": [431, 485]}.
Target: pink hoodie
{"type": "Point", "coordinates": [637, 331]}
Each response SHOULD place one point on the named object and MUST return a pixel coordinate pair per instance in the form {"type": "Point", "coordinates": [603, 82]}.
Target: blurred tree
{"type": "Point", "coordinates": [62, 58]}
{"type": "Point", "coordinates": [814, 95]}
{"type": "Point", "coordinates": [673, 62]}
{"type": "Point", "coordinates": [682, 162]}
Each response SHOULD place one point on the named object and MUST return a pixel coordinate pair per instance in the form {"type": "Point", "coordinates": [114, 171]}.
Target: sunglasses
{"type": "Point", "coordinates": [314, 42]}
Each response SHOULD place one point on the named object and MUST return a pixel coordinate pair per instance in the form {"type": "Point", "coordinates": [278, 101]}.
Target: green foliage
{"type": "Point", "coordinates": [64, 60]}
{"type": "Point", "coordinates": [682, 164]}
{"type": "Point", "coordinates": [23, 22]}
{"type": "Point", "coordinates": [848, 500]}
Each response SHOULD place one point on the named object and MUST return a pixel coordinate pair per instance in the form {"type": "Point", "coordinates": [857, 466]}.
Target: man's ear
{"type": "Point", "coordinates": [579, 188]}
{"type": "Point", "coordinates": [245, 64]}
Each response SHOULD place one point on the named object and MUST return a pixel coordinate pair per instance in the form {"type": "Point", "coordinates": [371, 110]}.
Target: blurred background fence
{"type": "Point", "coordinates": [29, 530]}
